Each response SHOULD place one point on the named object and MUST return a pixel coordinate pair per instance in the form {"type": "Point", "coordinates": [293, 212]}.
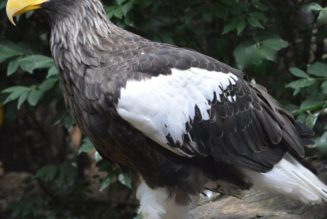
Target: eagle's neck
{"type": "Point", "coordinates": [80, 36]}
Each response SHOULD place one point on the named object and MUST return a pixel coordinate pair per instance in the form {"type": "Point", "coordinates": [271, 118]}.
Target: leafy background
{"type": "Point", "coordinates": [279, 44]}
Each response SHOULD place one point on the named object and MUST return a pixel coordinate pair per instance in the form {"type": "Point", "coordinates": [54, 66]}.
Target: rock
{"type": "Point", "coordinates": [256, 204]}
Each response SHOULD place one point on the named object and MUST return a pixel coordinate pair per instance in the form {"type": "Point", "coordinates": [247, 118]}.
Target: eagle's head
{"type": "Point", "coordinates": [54, 9]}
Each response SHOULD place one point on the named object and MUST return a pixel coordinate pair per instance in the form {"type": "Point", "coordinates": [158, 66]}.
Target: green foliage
{"type": "Point", "coordinates": [6, 53]}
{"type": "Point", "coordinates": [86, 146]}
{"type": "Point", "coordinates": [29, 64]}
{"type": "Point", "coordinates": [254, 53]}
{"type": "Point", "coordinates": [312, 84]}
{"type": "Point", "coordinates": [31, 94]}
{"type": "Point", "coordinates": [279, 43]}
{"type": "Point", "coordinates": [58, 179]}
{"type": "Point", "coordinates": [244, 15]}
{"type": "Point", "coordinates": [20, 61]}
{"type": "Point", "coordinates": [119, 11]}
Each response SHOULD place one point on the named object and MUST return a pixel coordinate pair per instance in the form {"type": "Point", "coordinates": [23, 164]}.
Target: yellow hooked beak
{"type": "Point", "coordinates": [17, 7]}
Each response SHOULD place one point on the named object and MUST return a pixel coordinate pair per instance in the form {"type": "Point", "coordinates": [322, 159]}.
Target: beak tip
{"type": "Point", "coordinates": [11, 19]}
{"type": "Point", "coordinates": [10, 16]}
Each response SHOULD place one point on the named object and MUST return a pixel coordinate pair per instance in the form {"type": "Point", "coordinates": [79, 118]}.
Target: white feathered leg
{"type": "Point", "coordinates": [152, 202]}
{"type": "Point", "coordinates": [159, 204]}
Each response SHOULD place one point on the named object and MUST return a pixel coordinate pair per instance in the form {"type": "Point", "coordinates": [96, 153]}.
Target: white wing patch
{"type": "Point", "coordinates": [162, 105]}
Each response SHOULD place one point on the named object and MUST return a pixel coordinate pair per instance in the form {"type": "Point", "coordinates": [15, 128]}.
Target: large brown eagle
{"type": "Point", "coordinates": [184, 122]}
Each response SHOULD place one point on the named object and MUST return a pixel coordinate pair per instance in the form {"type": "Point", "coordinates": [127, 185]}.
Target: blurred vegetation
{"type": "Point", "coordinates": [279, 44]}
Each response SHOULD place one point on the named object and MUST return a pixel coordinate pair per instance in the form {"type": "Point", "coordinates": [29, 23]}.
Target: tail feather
{"type": "Point", "coordinates": [291, 178]}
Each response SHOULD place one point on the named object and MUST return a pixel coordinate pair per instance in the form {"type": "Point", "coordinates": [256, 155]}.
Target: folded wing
{"type": "Point", "coordinates": [193, 107]}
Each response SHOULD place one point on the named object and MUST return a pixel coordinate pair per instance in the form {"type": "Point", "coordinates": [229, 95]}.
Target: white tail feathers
{"type": "Point", "coordinates": [291, 178]}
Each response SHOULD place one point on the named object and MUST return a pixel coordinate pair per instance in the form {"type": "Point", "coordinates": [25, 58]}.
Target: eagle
{"type": "Point", "coordinates": [184, 122]}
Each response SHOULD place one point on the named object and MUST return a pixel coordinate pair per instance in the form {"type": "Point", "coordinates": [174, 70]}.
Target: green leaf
{"type": "Point", "coordinates": [118, 13]}
{"type": "Point", "coordinates": [322, 18]}
{"type": "Point", "coordinates": [254, 53]}
{"type": "Point", "coordinates": [240, 27]}
{"type": "Point", "coordinates": [310, 105]}
{"type": "Point", "coordinates": [298, 73]}
{"type": "Point", "coordinates": [324, 87]}
{"type": "Point", "coordinates": [258, 16]}
{"type": "Point", "coordinates": [127, 7]}
{"type": "Point", "coordinates": [307, 104]}
{"type": "Point", "coordinates": [275, 43]}
{"type": "Point", "coordinates": [32, 62]}
{"type": "Point", "coordinates": [34, 96]}
{"type": "Point", "coordinates": [125, 180]}
{"type": "Point", "coordinates": [109, 11]}
{"type": "Point", "coordinates": [313, 7]}
{"type": "Point", "coordinates": [318, 69]}
{"type": "Point", "coordinates": [15, 92]}
{"type": "Point", "coordinates": [52, 72]}
{"type": "Point", "coordinates": [7, 52]}
{"type": "Point", "coordinates": [86, 147]}
{"type": "Point", "coordinates": [22, 99]}
{"type": "Point", "coordinates": [301, 83]}
{"type": "Point", "coordinates": [48, 84]}
{"type": "Point", "coordinates": [107, 181]}
{"type": "Point", "coordinates": [231, 25]}
{"type": "Point", "coordinates": [14, 89]}
{"type": "Point", "coordinates": [255, 22]}
{"type": "Point", "coordinates": [12, 67]}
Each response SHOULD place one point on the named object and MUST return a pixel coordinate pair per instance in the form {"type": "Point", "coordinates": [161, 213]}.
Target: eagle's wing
{"type": "Point", "coordinates": [194, 106]}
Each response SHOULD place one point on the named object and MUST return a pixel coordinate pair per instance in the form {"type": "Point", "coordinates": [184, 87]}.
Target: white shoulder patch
{"type": "Point", "coordinates": [162, 105]}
